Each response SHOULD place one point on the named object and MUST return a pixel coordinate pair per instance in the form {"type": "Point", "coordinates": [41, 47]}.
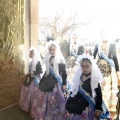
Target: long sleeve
{"type": "Point", "coordinates": [80, 50]}
{"type": "Point", "coordinates": [38, 69]}
{"type": "Point", "coordinates": [115, 58]}
{"type": "Point", "coordinates": [98, 98]}
{"type": "Point", "coordinates": [62, 72]}
{"type": "Point", "coordinates": [113, 55]}
{"type": "Point", "coordinates": [95, 51]}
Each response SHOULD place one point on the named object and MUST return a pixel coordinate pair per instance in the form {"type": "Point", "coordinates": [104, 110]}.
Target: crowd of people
{"type": "Point", "coordinates": [70, 83]}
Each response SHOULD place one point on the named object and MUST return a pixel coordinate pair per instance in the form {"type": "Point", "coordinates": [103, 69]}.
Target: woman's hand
{"type": "Point", "coordinates": [97, 113]}
{"type": "Point", "coordinates": [64, 87]}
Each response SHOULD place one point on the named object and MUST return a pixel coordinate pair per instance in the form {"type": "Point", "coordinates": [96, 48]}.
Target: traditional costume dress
{"type": "Point", "coordinates": [86, 96]}
{"type": "Point", "coordinates": [108, 64]}
{"type": "Point", "coordinates": [31, 82]}
{"type": "Point", "coordinates": [49, 102]}
{"type": "Point", "coordinates": [75, 51]}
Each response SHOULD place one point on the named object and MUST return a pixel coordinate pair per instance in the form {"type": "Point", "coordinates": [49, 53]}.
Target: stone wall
{"type": "Point", "coordinates": [11, 50]}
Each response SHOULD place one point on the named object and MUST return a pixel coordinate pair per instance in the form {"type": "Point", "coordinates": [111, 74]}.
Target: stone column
{"type": "Point", "coordinates": [31, 28]}
{"type": "Point", "coordinates": [34, 22]}
{"type": "Point", "coordinates": [27, 35]}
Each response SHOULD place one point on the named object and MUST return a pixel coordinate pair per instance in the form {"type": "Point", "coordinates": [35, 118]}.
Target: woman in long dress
{"type": "Point", "coordinates": [85, 102]}
{"type": "Point", "coordinates": [76, 49]}
{"type": "Point", "coordinates": [31, 81]}
{"type": "Point", "coordinates": [108, 64]}
{"type": "Point", "coordinates": [49, 102]}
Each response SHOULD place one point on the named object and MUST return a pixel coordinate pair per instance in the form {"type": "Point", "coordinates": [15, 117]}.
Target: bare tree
{"type": "Point", "coordinates": [58, 26]}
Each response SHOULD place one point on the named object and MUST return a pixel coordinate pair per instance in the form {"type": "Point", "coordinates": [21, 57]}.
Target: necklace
{"type": "Point", "coordinates": [84, 77]}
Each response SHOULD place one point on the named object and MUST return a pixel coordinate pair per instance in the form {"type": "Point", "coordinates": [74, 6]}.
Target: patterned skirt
{"type": "Point", "coordinates": [109, 91]}
{"type": "Point", "coordinates": [27, 96]}
{"type": "Point", "coordinates": [110, 85]}
{"type": "Point", "coordinates": [49, 105]}
{"type": "Point", "coordinates": [87, 114]}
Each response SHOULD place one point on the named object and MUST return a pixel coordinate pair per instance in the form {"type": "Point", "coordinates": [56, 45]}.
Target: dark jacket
{"type": "Point", "coordinates": [62, 72]}
{"type": "Point", "coordinates": [37, 73]}
{"type": "Point", "coordinates": [38, 69]}
{"type": "Point", "coordinates": [80, 50]}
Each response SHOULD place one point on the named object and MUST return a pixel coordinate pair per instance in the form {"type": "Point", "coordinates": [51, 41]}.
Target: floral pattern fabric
{"type": "Point", "coordinates": [49, 105]}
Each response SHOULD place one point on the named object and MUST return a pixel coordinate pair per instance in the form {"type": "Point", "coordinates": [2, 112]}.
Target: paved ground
{"type": "Point", "coordinates": [14, 113]}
